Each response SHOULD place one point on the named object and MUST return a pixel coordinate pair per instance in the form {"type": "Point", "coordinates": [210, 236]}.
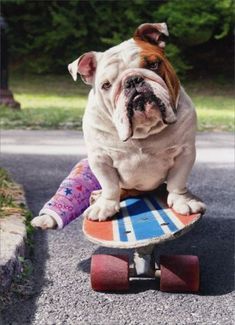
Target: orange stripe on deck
{"type": "Point", "coordinates": [185, 219]}
{"type": "Point", "coordinates": [101, 230]}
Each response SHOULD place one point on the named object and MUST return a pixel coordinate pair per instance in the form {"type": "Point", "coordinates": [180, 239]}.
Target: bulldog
{"type": "Point", "coordinates": [139, 124]}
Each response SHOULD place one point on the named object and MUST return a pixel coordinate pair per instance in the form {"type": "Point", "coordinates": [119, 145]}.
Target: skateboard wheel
{"type": "Point", "coordinates": [179, 273]}
{"type": "Point", "coordinates": [110, 272]}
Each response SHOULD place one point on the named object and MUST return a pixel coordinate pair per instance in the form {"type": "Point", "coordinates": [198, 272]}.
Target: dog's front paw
{"type": "Point", "coordinates": [186, 203]}
{"type": "Point", "coordinates": [44, 222]}
{"type": "Point", "coordinates": [102, 209]}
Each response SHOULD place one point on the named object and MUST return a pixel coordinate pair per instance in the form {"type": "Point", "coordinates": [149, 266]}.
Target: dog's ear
{"type": "Point", "coordinates": [152, 33]}
{"type": "Point", "coordinates": [85, 65]}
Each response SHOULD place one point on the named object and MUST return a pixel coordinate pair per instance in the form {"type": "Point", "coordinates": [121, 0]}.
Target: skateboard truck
{"type": "Point", "coordinates": [143, 264]}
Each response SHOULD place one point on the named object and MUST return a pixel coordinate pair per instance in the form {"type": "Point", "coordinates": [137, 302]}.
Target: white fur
{"type": "Point", "coordinates": [44, 222]}
{"type": "Point", "coordinates": [156, 152]}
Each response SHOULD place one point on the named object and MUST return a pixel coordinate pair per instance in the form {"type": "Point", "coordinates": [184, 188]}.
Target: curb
{"type": "Point", "coordinates": [12, 239]}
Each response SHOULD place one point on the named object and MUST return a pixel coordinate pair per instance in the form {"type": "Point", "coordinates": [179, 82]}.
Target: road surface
{"type": "Point", "coordinates": [61, 290]}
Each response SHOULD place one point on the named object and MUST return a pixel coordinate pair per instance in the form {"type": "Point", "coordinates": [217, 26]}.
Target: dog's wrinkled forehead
{"type": "Point", "coordinates": [118, 58]}
{"type": "Point", "coordinates": [106, 71]}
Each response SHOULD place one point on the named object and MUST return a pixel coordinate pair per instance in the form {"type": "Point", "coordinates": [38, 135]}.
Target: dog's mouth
{"type": "Point", "coordinates": [142, 109]}
{"type": "Point", "coordinates": [138, 102]}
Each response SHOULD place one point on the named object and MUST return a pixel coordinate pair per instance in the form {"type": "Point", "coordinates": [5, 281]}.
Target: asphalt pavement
{"type": "Point", "coordinates": [61, 294]}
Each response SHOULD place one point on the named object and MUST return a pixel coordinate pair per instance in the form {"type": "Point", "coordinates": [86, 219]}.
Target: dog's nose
{"type": "Point", "coordinates": [132, 81]}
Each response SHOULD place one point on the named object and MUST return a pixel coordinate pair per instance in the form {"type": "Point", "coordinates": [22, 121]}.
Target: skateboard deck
{"type": "Point", "coordinates": [142, 221]}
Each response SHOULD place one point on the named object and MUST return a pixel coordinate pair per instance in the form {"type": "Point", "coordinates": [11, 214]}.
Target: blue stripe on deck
{"type": "Point", "coordinates": [163, 214]}
{"type": "Point", "coordinates": [138, 212]}
{"type": "Point", "coordinates": [121, 227]}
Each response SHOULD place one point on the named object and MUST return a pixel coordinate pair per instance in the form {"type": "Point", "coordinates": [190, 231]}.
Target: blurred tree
{"type": "Point", "coordinates": [195, 22]}
{"type": "Point", "coordinates": [197, 29]}
{"type": "Point", "coordinates": [45, 35]}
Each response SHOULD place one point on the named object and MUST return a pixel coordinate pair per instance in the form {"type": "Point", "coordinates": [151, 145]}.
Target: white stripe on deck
{"type": "Point", "coordinates": [116, 236]}
{"type": "Point", "coordinates": [158, 217]}
{"type": "Point", "coordinates": [128, 224]}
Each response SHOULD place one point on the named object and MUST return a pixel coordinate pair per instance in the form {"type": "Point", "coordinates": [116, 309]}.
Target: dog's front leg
{"type": "Point", "coordinates": [108, 203]}
{"type": "Point", "coordinates": [179, 198]}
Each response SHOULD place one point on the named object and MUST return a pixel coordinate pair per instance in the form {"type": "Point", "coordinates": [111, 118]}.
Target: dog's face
{"type": "Point", "coordinates": [134, 82]}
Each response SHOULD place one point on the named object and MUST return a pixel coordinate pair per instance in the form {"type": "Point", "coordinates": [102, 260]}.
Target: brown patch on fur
{"type": "Point", "coordinates": [123, 194]}
{"type": "Point", "coordinates": [151, 53]}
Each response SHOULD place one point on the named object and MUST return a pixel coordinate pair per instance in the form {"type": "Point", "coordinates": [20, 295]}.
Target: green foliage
{"type": "Point", "coordinates": [196, 22]}
{"type": "Point", "coordinates": [46, 35]}
{"type": "Point", "coordinates": [26, 271]}
{"type": "Point", "coordinates": [29, 228]}
{"type": "Point", "coordinates": [4, 177]}
{"type": "Point", "coordinates": [175, 56]}
{"type": "Point", "coordinates": [6, 199]}
{"type": "Point", "coordinates": [9, 196]}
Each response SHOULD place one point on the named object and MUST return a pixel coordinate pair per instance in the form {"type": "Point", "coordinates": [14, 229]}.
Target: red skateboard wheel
{"type": "Point", "coordinates": [110, 272]}
{"type": "Point", "coordinates": [179, 273]}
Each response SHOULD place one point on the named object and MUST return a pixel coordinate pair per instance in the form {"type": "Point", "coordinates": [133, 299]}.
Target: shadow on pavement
{"type": "Point", "coordinates": [212, 241]}
{"type": "Point", "coordinates": [40, 177]}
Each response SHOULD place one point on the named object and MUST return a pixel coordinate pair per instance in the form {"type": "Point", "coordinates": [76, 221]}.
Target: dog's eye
{"type": "Point", "coordinates": [153, 65]}
{"type": "Point", "coordinates": [106, 85]}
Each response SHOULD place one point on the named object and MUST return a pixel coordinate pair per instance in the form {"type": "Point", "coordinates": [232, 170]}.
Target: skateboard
{"type": "Point", "coordinates": [142, 223]}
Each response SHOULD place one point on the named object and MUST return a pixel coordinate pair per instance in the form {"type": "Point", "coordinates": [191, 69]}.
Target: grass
{"type": "Point", "coordinates": [215, 113]}
{"type": "Point", "coordinates": [215, 105]}
{"type": "Point", "coordinates": [50, 102]}
{"type": "Point", "coordinates": [7, 188]}
{"type": "Point", "coordinates": [56, 102]}
{"type": "Point", "coordinates": [11, 202]}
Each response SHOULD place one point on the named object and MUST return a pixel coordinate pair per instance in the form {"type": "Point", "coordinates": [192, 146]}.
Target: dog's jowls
{"type": "Point", "coordinates": [139, 123]}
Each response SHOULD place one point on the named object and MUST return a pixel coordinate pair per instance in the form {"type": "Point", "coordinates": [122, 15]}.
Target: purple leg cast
{"type": "Point", "coordinates": [72, 197]}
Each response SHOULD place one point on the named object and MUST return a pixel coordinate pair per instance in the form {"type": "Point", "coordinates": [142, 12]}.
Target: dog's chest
{"type": "Point", "coordinates": [144, 168]}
